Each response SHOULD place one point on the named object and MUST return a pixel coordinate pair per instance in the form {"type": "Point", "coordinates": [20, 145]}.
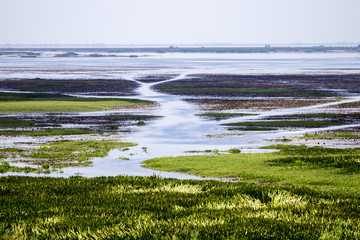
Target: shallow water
{"type": "Point", "coordinates": [180, 130]}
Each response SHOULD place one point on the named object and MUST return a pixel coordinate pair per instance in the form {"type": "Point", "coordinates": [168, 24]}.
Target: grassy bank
{"type": "Point", "coordinates": [154, 208]}
{"type": "Point", "coordinates": [41, 102]}
{"type": "Point", "coordinates": [333, 169]}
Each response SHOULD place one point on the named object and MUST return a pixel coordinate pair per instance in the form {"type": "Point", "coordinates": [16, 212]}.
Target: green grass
{"type": "Point", "coordinates": [340, 135]}
{"type": "Point", "coordinates": [335, 169]}
{"type": "Point", "coordinates": [41, 102]}
{"type": "Point", "coordinates": [6, 167]}
{"type": "Point", "coordinates": [284, 146]}
{"type": "Point", "coordinates": [61, 154]}
{"type": "Point", "coordinates": [283, 124]}
{"type": "Point", "coordinates": [14, 123]}
{"type": "Point", "coordinates": [46, 132]}
{"type": "Point", "coordinates": [155, 208]}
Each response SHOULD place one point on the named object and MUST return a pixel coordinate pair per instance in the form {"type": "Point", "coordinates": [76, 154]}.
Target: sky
{"type": "Point", "coordinates": [179, 21]}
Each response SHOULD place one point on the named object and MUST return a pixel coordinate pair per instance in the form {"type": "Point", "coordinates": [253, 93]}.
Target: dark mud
{"type": "Point", "coordinates": [97, 123]}
{"type": "Point", "coordinates": [155, 78]}
{"type": "Point", "coordinates": [210, 104]}
{"type": "Point", "coordinates": [99, 87]}
{"type": "Point", "coordinates": [304, 86]}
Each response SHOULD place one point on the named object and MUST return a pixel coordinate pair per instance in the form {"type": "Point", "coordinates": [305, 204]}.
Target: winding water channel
{"type": "Point", "coordinates": [181, 130]}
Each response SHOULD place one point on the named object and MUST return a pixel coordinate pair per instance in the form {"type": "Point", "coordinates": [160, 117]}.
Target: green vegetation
{"type": "Point", "coordinates": [284, 146]}
{"type": "Point", "coordinates": [283, 124]}
{"type": "Point", "coordinates": [252, 129]}
{"type": "Point", "coordinates": [335, 169]}
{"type": "Point", "coordinates": [13, 123]}
{"type": "Point", "coordinates": [41, 102]}
{"type": "Point", "coordinates": [62, 154]}
{"type": "Point", "coordinates": [6, 167]}
{"type": "Point", "coordinates": [154, 208]}
{"type": "Point", "coordinates": [46, 132]}
{"type": "Point", "coordinates": [339, 135]}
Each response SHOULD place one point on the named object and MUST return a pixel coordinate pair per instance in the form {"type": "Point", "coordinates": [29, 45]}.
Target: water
{"type": "Point", "coordinates": [180, 130]}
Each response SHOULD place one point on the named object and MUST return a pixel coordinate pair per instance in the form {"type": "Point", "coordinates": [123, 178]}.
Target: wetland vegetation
{"type": "Point", "coordinates": [154, 208]}
{"type": "Point", "coordinates": [283, 124]}
{"type": "Point", "coordinates": [324, 168]}
{"type": "Point", "coordinates": [42, 102]}
{"type": "Point", "coordinates": [295, 192]}
{"type": "Point", "coordinates": [58, 154]}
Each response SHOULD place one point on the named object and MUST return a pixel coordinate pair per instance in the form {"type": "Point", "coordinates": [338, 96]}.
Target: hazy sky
{"type": "Point", "coordinates": [179, 21]}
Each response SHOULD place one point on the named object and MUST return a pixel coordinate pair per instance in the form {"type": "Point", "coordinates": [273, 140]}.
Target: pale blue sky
{"type": "Point", "coordinates": [179, 21]}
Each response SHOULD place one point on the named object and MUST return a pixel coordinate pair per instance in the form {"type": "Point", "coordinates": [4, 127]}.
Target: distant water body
{"type": "Point", "coordinates": [234, 63]}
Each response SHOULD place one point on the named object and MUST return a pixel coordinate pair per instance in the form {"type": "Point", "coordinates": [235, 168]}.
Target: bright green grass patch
{"type": "Point", "coordinates": [11, 150]}
{"type": "Point", "coordinates": [154, 208]}
{"type": "Point", "coordinates": [283, 124]}
{"type": "Point", "coordinates": [46, 132]}
{"type": "Point", "coordinates": [61, 106]}
{"type": "Point", "coordinates": [41, 102]}
{"type": "Point", "coordinates": [13, 123]}
{"type": "Point", "coordinates": [6, 167]}
{"type": "Point", "coordinates": [340, 135]}
{"type": "Point", "coordinates": [336, 169]}
{"type": "Point", "coordinates": [284, 146]}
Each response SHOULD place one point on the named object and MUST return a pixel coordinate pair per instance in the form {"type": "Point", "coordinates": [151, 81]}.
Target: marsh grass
{"type": "Point", "coordinates": [155, 208]}
{"type": "Point", "coordinates": [42, 102]}
{"type": "Point", "coordinates": [61, 154]}
{"type": "Point", "coordinates": [14, 123]}
{"type": "Point", "coordinates": [46, 132]}
{"type": "Point", "coordinates": [333, 169]}
{"type": "Point", "coordinates": [334, 136]}
{"type": "Point", "coordinates": [309, 123]}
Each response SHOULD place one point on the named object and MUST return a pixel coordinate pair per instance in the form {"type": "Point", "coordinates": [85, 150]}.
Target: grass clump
{"type": "Point", "coordinates": [46, 132]}
{"type": "Point", "coordinates": [340, 135]}
{"type": "Point", "coordinates": [154, 208]}
{"type": "Point", "coordinates": [14, 123]}
{"type": "Point", "coordinates": [63, 154]}
{"type": "Point", "coordinates": [334, 169]}
{"type": "Point", "coordinates": [284, 146]}
{"type": "Point", "coordinates": [283, 124]}
{"type": "Point", "coordinates": [6, 167]}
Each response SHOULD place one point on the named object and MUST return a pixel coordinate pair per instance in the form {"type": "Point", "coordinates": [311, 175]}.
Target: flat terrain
{"type": "Point", "coordinates": [154, 208]}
